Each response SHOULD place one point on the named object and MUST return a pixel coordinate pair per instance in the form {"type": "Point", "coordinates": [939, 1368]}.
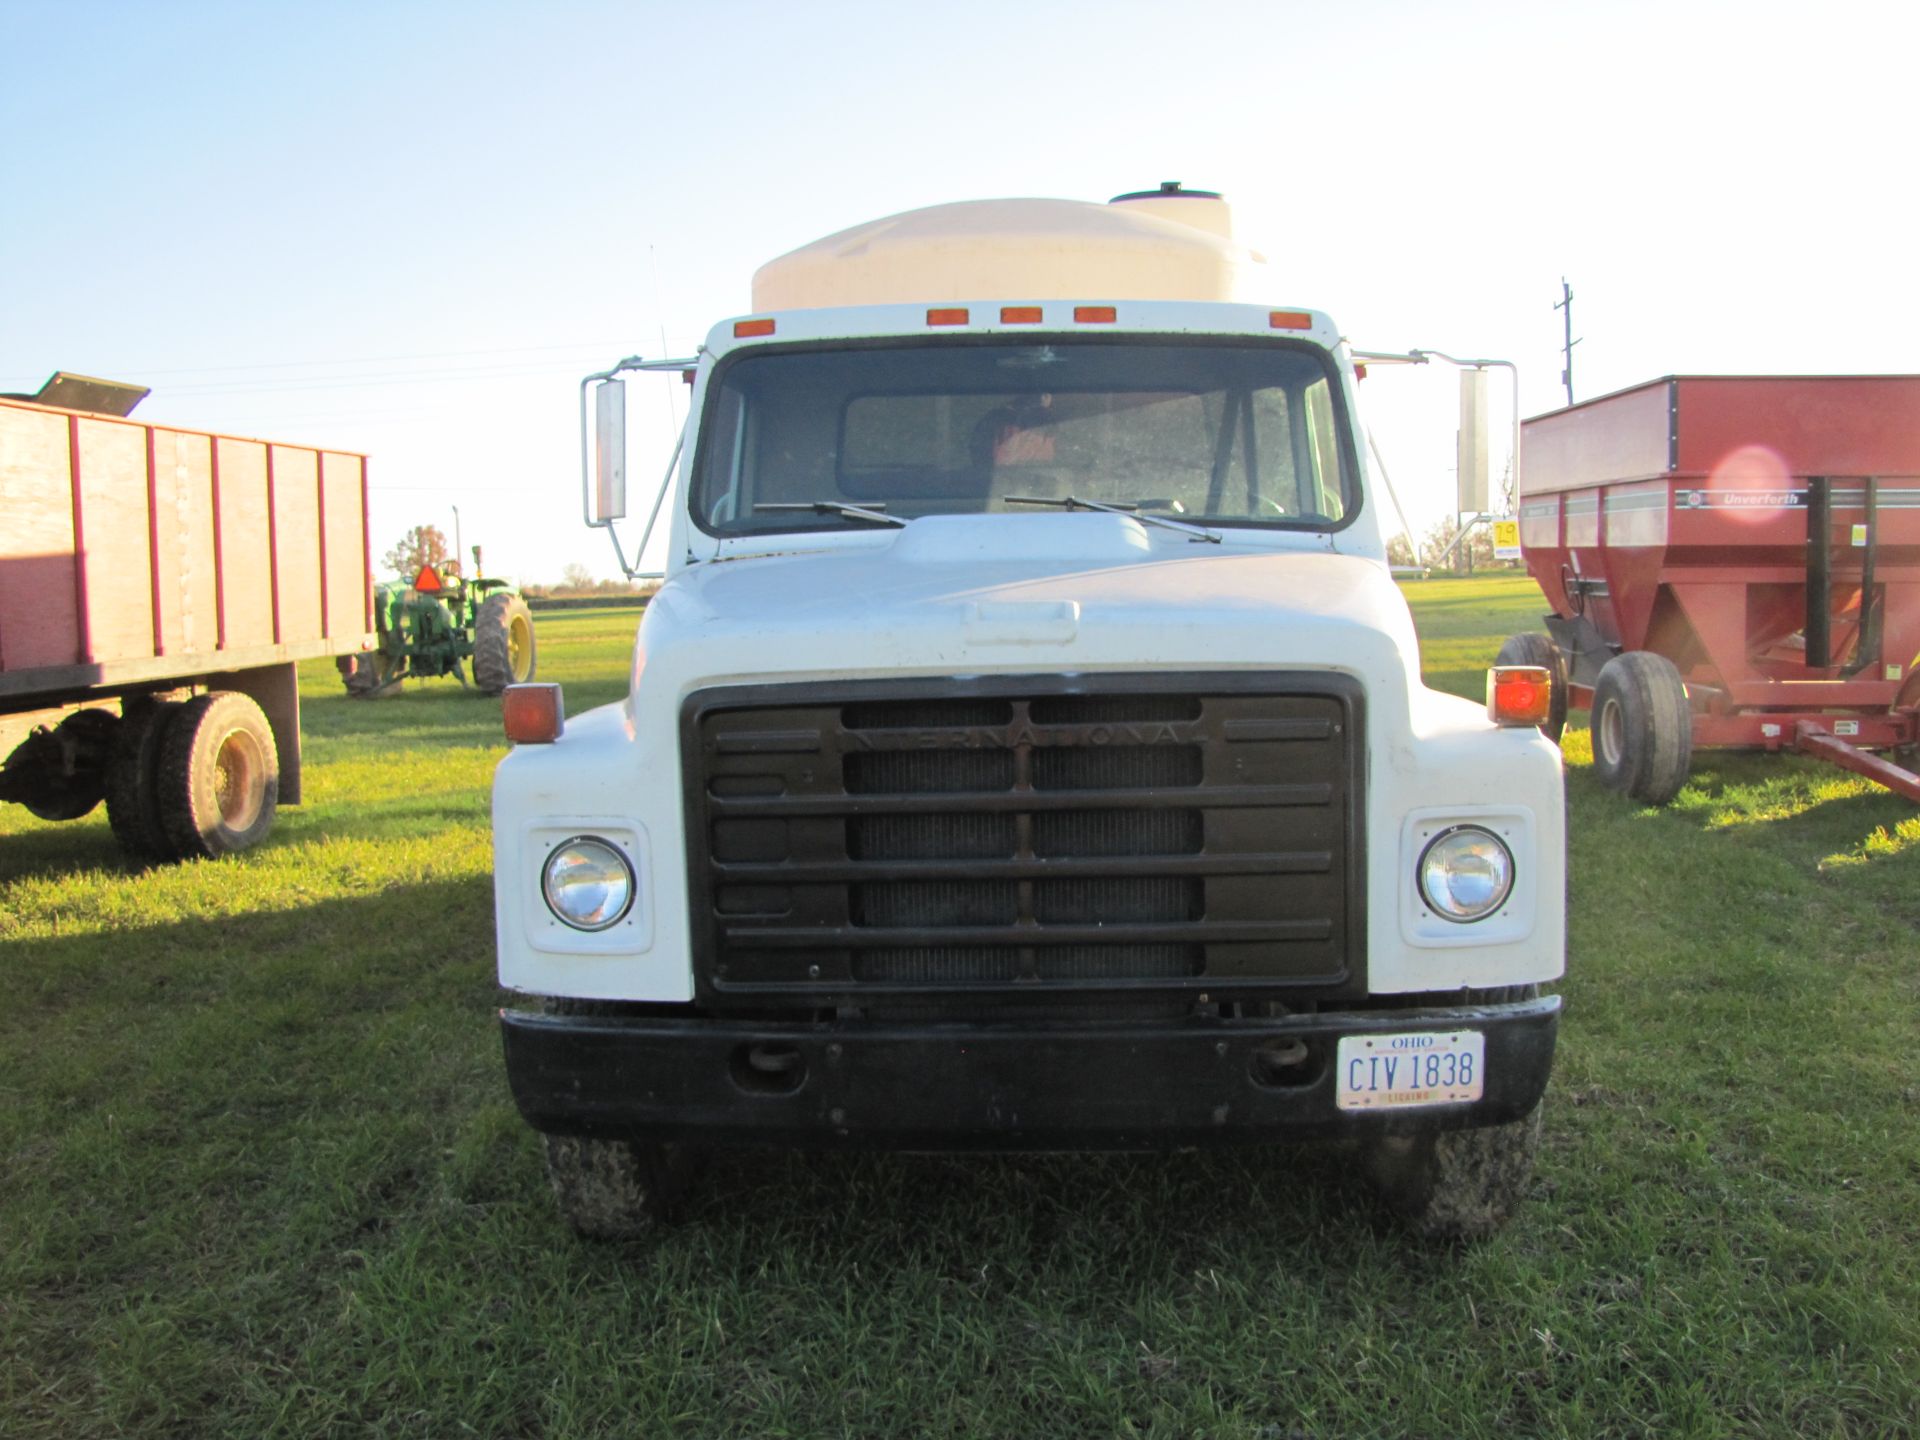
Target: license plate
{"type": "Point", "coordinates": [1400, 1072]}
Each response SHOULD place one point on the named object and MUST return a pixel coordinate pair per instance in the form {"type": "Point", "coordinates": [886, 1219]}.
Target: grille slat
{"type": "Point", "coordinates": [902, 803]}
{"type": "Point", "coordinates": [1011, 844]}
{"type": "Point", "coordinates": [1304, 862]}
{"type": "Point", "coordinates": [855, 937]}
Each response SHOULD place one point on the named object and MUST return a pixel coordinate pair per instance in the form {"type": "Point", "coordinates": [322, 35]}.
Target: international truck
{"type": "Point", "coordinates": [158, 587]}
{"type": "Point", "coordinates": [1027, 748]}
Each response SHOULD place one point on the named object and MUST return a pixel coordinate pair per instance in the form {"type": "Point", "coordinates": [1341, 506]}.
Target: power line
{"type": "Point", "coordinates": [457, 489]}
{"type": "Point", "coordinates": [362, 382]}
{"type": "Point", "coordinates": [215, 385]}
{"type": "Point", "coordinates": [595, 345]}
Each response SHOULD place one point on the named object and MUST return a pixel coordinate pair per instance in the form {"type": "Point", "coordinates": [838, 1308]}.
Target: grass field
{"type": "Point", "coordinates": [261, 1175]}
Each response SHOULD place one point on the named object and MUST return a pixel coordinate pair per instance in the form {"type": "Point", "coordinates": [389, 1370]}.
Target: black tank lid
{"type": "Point", "coordinates": [1169, 190]}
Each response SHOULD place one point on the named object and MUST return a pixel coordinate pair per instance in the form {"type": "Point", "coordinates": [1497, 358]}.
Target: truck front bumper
{"type": "Point", "coordinates": [1026, 1086]}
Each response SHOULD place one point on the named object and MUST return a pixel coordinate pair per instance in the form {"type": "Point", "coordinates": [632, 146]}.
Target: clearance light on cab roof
{"type": "Point", "coordinates": [1519, 695]}
{"type": "Point", "coordinates": [947, 317]}
{"type": "Point", "coordinates": [1289, 320]}
{"type": "Point", "coordinates": [1095, 314]}
{"type": "Point", "coordinates": [1019, 314]}
{"type": "Point", "coordinates": [745, 328]}
{"type": "Point", "coordinates": [534, 713]}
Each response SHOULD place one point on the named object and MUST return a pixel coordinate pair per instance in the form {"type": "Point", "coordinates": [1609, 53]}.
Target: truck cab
{"type": "Point", "coordinates": [1027, 749]}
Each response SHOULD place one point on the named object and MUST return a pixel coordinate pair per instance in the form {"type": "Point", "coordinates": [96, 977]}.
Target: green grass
{"type": "Point", "coordinates": [262, 1176]}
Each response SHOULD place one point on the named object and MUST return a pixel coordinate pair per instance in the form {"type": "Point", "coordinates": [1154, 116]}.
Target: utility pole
{"type": "Point", "coordinates": [1566, 304]}
{"type": "Point", "coordinates": [456, 539]}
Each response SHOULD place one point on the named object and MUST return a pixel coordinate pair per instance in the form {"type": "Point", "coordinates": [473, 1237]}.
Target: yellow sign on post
{"type": "Point", "coordinates": [1506, 539]}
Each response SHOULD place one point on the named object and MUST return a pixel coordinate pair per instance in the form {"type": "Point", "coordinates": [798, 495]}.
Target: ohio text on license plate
{"type": "Point", "coordinates": [1397, 1072]}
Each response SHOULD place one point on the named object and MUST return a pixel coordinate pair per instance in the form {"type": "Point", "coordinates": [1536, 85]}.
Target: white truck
{"type": "Point", "coordinates": [1027, 748]}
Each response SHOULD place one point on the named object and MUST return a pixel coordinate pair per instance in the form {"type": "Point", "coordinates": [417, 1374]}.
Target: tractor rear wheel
{"type": "Point", "coordinates": [133, 804]}
{"type": "Point", "coordinates": [1533, 648]}
{"type": "Point", "coordinates": [1642, 727]}
{"type": "Point", "coordinates": [219, 776]}
{"type": "Point", "coordinates": [502, 643]}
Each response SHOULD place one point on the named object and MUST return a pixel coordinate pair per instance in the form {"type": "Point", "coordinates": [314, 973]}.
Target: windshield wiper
{"type": "Point", "coordinates": [1074, 502]}
{"type": "Point", "coordinates": [875, 513]}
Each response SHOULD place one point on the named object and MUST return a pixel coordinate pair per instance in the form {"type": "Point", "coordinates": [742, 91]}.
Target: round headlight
{"type": "Point", "coordinates": [1466, 873]}
{"type": "Point", "coordinates": [588, 883]}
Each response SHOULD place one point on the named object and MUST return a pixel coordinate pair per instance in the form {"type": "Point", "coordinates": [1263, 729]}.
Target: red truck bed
{"type": "Point", "coordinates": [135, 552]}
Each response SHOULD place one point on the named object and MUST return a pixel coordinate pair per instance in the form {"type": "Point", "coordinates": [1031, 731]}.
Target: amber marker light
{"type": "Point", "coordinates": [745, 329]}
{"type": "Point", "coordinates": [534, 713]}
{"type": "Point", "coordinates": [1095, 314]}
{"type": "Point", "coordinates": [1519, 694]}
{"type": "Point", "coordinates": [1019, 314]}
{"type": "Point", "coordinates": [947, 317]}
{"type": "Point", "coordinates": [1289, 320]}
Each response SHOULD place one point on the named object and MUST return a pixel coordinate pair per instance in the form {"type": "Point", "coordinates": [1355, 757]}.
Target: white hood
{"type": "Point", "coordinates": [951, 595]}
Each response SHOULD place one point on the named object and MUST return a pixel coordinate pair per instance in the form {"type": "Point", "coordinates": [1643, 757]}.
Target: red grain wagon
{"type": "Point", "coordinates": [157, 586]}
{"type": "Point", "coordinates": [1733, 562]}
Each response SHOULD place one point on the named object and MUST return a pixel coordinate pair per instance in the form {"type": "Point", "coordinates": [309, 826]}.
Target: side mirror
{"type": "Point", "coordinates": [610, 449]}
{"type": "Point", "coordinates": [1473, 462]}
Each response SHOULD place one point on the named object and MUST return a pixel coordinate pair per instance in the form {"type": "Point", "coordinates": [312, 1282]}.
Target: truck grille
{"type": "Point", "coordinates": [1043, 837]}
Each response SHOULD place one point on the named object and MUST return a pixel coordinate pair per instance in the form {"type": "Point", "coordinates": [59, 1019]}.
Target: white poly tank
{"type": "Point", "coordinates": [978, 250]}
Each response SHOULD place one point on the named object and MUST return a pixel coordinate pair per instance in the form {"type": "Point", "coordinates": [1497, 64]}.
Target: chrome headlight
{"type": "Point", "coordinates": [588, 883]}
{"type": "Point", "coordinates": [1465, 873]}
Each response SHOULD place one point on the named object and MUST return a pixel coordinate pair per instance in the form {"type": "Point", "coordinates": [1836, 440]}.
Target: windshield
{"type": "Point", "coordinates": [1212, 432]}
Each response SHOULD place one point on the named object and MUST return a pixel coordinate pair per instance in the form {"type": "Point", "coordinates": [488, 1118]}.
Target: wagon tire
{"type": "Point", "coordinates": [1457, 1184]}
{"type": "Point", "coordinates": [1533, 648]}
{"type": "Point", "coordinates": [218, 780]}
{"type": "Point", "coordinates": [1642, 727]}
{"type": "Point", "coordinates": [616, 1189]}
{"type": "Point", "coordinates": [503, 648]}
{"type": "Point", "coordinates": [133, 804]}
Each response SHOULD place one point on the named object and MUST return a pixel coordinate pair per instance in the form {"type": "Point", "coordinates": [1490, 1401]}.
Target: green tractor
{"type": "Point", "coordinates": [439, 621]}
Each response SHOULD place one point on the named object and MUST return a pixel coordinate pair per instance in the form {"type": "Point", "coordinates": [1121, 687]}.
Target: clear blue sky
{"type": "Point", "coordinates": [409, 228]}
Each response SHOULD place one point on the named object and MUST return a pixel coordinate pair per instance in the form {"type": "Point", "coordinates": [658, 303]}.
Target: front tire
{"type": "Point", "coordinates": [218, 781]}
{"type": "Point", "coordinates": [1533, 648]}
{"type": "Point", "coordinates": [616, 1189]}
{"type": "Point", "coordinates": [1457, 1184]}
{"type": "Point", "coordinates": [1642, 727]}
{"type": "Point", "coordinates": [503, 650]}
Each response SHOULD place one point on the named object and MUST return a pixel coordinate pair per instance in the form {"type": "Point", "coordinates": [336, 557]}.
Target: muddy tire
{"type": "Point", "coordinates": [1642, 727]}
{"type": "Point", "coordinates": [133, 805]}
{"type": "Point", "coordinates": [1457, 1184]}
{"type": "Point", "coordinates": [503, 650]}
{"type": "Point", "coordinates": [616, 1189]}
{"type": "Point", "coordinates": [218, 780]}
{"type": "Point", "coordinates": [1533, 648]}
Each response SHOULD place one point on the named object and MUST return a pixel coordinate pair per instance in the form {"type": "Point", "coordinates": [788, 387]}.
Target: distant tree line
{"type": "Point", "coordinates": [1474, 553]}
{"type": "Point", "coordinates": [427, 545]}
